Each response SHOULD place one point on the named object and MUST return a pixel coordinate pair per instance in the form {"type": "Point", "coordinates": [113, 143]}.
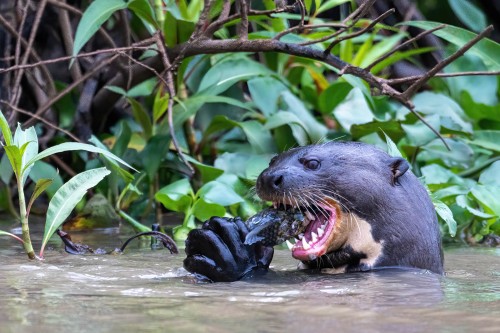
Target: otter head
{"type": "Point", "coordinates": [354, 195]}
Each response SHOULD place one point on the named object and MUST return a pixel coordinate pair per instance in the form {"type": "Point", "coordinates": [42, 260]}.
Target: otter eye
{"type": "Point", "coordinates": [311, 164]}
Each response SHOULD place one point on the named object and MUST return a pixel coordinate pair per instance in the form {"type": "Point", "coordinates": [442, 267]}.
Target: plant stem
{"type": "Point", "coordinates": [28, 247]}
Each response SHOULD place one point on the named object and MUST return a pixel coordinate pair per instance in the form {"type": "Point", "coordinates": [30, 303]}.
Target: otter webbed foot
{"type": "Point", "coordinates": [217, 251]}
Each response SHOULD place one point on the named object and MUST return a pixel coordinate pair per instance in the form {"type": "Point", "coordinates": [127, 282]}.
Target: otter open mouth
{"type": "Point", "coordinates": [319, 234]}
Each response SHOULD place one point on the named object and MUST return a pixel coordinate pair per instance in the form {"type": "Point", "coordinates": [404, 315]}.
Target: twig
{"type": "Point", "coordinates": [309, 26]}
{"type": "Point", "coordinates": [81, 55]}
{"type": "Point", "coordinates": [302, 14]}
{"type": "Point", "coordinates": [442, 64]}
{"type": "Point", "coordinates": [243, 29]}
{"type": "Point", "coordinates": [41, 110]}
{"type": "Point", "coordinates": [171, 95]}
{"type": "Point", "coordinates": [43, 120]}
{"type": "Point", "coordinates": [400, 46]}
{"type": "Point", "coordinates": [359, 12]}
{"type": "Point", "coordinates": [67, 34]}
{"type": "Point", "coordinates": [442, 75]}
{"type": "Point", "coordinates": [359, 32]}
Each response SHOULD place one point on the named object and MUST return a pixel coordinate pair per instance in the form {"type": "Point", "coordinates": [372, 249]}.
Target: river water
{"type": "Point", "coordinates": [149, 291]}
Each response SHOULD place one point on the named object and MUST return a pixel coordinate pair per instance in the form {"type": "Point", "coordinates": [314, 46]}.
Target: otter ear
{"type": "Point", "coordinates": [398, 167]}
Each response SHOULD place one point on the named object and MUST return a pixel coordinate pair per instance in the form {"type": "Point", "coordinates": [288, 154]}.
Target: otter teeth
{"type": "Point", "coordinates": [305, 244]}
{"type": "Point", "coordinates": [321, 232]}
{"type": "Point", "coordinates": [309, 216]}
{"type": "Point", "coordinates": [301, 236]}
{"type": "Point", "coordinates": [314, 237]}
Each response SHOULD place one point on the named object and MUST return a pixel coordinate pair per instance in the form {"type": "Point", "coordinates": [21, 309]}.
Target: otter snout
{"type": "Point", "coordinates": [270, 181]}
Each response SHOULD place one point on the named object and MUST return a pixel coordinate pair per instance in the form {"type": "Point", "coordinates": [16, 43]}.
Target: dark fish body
{"type": "Point", "coordinates": [273, 226]}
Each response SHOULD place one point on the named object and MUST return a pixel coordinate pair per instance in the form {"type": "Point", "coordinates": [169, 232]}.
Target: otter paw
{"type": "Point", "coordinates": [217, 251]}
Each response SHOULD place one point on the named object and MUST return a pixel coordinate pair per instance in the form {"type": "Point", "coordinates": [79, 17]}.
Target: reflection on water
{"type": "Point", "coordinates": [148, 291]}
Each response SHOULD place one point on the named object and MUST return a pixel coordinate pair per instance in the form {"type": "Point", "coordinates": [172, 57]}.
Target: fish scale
{"type": "Point", "coordinates": [273, 226]}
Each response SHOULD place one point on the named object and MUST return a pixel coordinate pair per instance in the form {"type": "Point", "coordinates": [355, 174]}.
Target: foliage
{"type": "Point", "coordinates": [22, 153]}
{"type": "Point", "coordinates": [234, 111]}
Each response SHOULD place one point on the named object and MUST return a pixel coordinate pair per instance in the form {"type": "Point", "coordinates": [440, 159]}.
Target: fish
{"type": "Point", "coordinates": [273, 226]}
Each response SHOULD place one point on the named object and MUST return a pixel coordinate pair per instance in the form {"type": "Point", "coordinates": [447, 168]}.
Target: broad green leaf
{"type": "Point", "coordinates": [479, 111]}
{"type": "Point", "coordinates": [266, 92]}
{"type": "Point", "coordinates": [226, 73]}
{"type": "Point", "coordinates": [93, 17]}
{"type": "Point", "coordinates": [204, 210]}
{"type": "Point", "coordinates": [219, 193]}
{"type": "Point", "coordinates": [469, 14]}
{"type": "Point", "coordinates": [285, 118]}
{"type": "Point", "coordinates": [177, 196]}
{"type": "Point", "coordinates": [259, 138]}
{"type": "Point", "coordinates": [315, 129]}
{"type": "Point", "coordinates": [392, 128]}
{"type": "Point", "coordinates": [5, 169]}
{"type": "Point", "coordinates": [67, 197]}
{"type": "Point", "coordinates": [486, 139]}
{"type": "Point", "coordinates": [40, 186]}
{"type": "Point", "coordinates": [488, 196]}
{"type": "Point", "coordinates": [450, 113]}
{"type": "Point", "coordinates": [464, 202]}
{"type": "Point", "coordinates": [398, 56]}
{"type": "Point", "coordinates": [333, 96]}
{"type": "Point", "coordinates": [460, 154]}
{"type": "Point", "coordinates": [43, 170]}
{"type": "Point", "coordinates": [4, 126]}
{"type": "Point", "coordinates": [491, 175]}
{"type": "Point", "coordinates": [154, 153]}
{"type": "Point", "coordinates": [207, 172]}
{"type": "Point", "coordinates": [141, 117]}
{"type": "Point", "coordinates": [246, 166]}
{"type": "Point", "coordinates": [144, 10]}
{"type": "Point", "coordinates": [354, 110]}
{"type": "Point", "coordinates": [486, 49]}
{"type": "Point", "coordinates": [122, 141]}
{"type": "Point", "coordinates": [190, 107]}
{"type": "Point", "coordinates": [71, 146]}
{"type": "Point", "coordinates": [445, 213]}
{"type": "Point", "coordinates": [436, 174]}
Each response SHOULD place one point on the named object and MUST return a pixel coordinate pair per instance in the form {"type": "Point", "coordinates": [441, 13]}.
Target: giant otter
{"type": "Point", "coordinates": [367, 211]}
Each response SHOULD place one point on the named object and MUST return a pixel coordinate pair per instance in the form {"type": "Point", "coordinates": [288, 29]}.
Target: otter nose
{"type": "Point", "coordinates": [270, 181]}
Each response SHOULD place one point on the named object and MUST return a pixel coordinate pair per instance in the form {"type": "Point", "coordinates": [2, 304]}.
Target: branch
{"type": "Point", "coordinates": [439, 66]}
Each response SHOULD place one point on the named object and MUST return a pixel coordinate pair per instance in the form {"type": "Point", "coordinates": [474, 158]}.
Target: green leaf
{"type": "Point", "coordinates": [219, 193]}
{"type": "Point", "coordinates": [70, 146]}
{"type": "Point", "coordinates": [469, 14]}
{"type": "Point", "coordinates": [43, 170]}
{"type": "Point", "coordinates": [226, 73]}
{"type": "Point", "coordinates": [491, 175]}
{"type": "Point", "coordinates": [330, 4]}
{"type": "Point", "coordinates": [110, 163]}
{"type": "Point", "coordinates": [464, 202]}
{"type": "Point", "coordinates": [29, 140]}
{"type": "Point", "coordinates": [381, 48]}
{"type": "Point", "coordinates": [40, 186]}
{"type": "Point", "coordinates": [153, 154]}
{"type": "Point", "coordinates": [445, 213]}
{"type": "Point", "coordinates": [141, 117]}
{"type": "Point", "coordinates": [460, 154]}
{"type": "Point", "coordinates": [93, 17]}
{"type": "Point", "coordinates": [207, 172]}
{"type": "Point", "coordinates": [488, 196]}
{"type": "Point", "coordinates": [486, 49]}
{"type": "Point", "coordinates": [486, 139]}
{"type": "Point", "coordinates": [177, 196]}
{"type": "Point", "coordinates": [5, 169]}
{"type": "Point", "coordinates": [285, 118]}
{"type": "Point", "coordinates": [123, 137]}
{"type": "Point", "coordinates": [4, 126]}
{"type": "Point", "coordinates": [144, 10]}
{"type": "Point", "coordinates": [67, 197]}
{"type": "Point", "coordinates": [266, 92]}
{"type": "Point", "coordinates": [333, 96]}
{"type": "Point", "coordinates": [203, 210]}
{"type": "Point", "coordinates": [392, 148]}
{"type": "Point", "coordinates": [15, 158]}
{"type": "Point", "coordinates": [354, 110]}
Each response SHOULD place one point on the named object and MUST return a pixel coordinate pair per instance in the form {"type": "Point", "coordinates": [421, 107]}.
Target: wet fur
{"type": "Point", "coordinates": [372, 188]}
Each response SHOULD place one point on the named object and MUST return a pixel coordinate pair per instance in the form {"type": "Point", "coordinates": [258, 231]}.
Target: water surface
{"type": "Point", "coordinates": [149, 291]}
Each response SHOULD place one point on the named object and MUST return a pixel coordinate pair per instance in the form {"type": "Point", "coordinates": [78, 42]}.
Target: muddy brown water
{"type": "Point", "coordinates": [149, 291]}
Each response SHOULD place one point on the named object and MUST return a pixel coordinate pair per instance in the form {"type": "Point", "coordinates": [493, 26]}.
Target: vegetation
{"type": "Point", "coordinates": [199, 95]}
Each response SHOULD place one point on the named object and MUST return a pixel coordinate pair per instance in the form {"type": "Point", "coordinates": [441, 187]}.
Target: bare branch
{"type": "Point", "coordinates": [243, 30]}
{"type": "Point", "coordinates": [439, 66]}
{"type": "Point", "coordinates": [400, 46]}
{"type": "Point", "coordinates": [441, 75]}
